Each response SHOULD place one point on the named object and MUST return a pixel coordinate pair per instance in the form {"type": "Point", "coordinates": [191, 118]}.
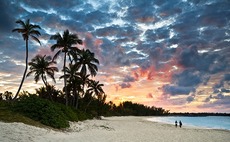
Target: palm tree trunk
{"type": "Point", "coordinates": [75, 97]}
{"type": "Point", "coordinates": [47, 87]}
{"type": "Point", "coordinates": [77, 101]}
{"type": "Point", "coordinates": [66, 99]}
{"type": "Point", "coordinates": [24, 74]}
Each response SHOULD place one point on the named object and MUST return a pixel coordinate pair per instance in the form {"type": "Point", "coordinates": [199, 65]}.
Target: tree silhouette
{"type": "Point", "coordinates": [42, 66]}
{"type": "Point", "coordinates": [64, 44]}
{"type": "Point", "coordinates": [95, 88]}
{"type": "Point", "coordinates": [85, 60]}
{"type": "Point", "coordinates": [27, 30]}
{"type": "Point", "coordinates": [74, 82]}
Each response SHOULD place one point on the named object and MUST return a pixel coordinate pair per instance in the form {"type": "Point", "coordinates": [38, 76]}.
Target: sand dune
{"type": "Point", "coordinates": [111, 129]}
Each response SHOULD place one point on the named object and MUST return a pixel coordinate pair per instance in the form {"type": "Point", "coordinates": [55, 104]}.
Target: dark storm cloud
{"type": "Point", "coordinates": [113, 30]}
{"type": "Point", "coordinates": [97, 18]}
{"type": "Point", "coordinates": [46, 5]}
{"type": "Point", "coordinates": [209, 62]}
{"type": "Point", "coordinates": [139, 11]}
{"type": "Point", "coordinates": [190, 99]}
{"type": "Point", "coordinates": [158, 34]}
{"type": "Point", "coordinates": [186, 22]}
{"type": "Point", "coordinates": [129, 79]}
{"type": "Point", "coordinates": [212, 17]}
{"type": "Point", "coordinates": [225, 90]}
{"type": "Point", "coordinates": [9, 66]}
{"type": "Point", "coordinates": [170, 8]}
{"type": "Point", "coordinates": [187, 78]}
{"type": "Point", "coordinates": [185, 82]}
{"type": "Point", "coordinates": [177, 90]}
{"type": "Point", "coordinates": [226, 77]}
{"type": "Point", "coordinates": [159, 54]}
{"type": "Point", "coordinates": [6, 19]}
{"type": "Point", "coordinates": [218, 96]}
{"type": "Point", "coordinates": [222, 103]}
{"type": "Point", "coordinates": [219, 87]}
{"type": "Point", "coordinates": [125, 85]}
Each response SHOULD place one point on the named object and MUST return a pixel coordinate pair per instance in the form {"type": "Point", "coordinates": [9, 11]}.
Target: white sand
{"type": "Point", "coordinates": [111, 129]}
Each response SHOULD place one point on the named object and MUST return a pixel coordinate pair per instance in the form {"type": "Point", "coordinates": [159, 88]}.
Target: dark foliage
{"type": "Point", "coordinates": [129, 108]}
{"type": "Point", "coordinates": [45, 111]}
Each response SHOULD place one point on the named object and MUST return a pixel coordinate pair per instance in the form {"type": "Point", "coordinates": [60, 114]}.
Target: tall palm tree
{"type": "Point", "coordinates": [64, 44]}
{"type": "Point", "coordinates": [27, 30]}
{"type": "Point", "coordinates": [86, 60]}
{"type": "Point", "coordinates": [42, 66]}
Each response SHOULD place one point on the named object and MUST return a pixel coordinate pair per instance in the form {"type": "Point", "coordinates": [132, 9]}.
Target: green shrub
{"type": "Point", "coordinates": [42, 110]}
{"type": "Point", "coordinates": [70, 113]}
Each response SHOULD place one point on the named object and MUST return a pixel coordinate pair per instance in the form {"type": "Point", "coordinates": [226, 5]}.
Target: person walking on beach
{"type": "Point", "coordinates": [180, 123]}
{"type": "Point", "coordinates": [176, 123]}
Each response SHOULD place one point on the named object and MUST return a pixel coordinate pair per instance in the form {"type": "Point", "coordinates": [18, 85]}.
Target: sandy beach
{"type": "Point", "coordinates": [111, 129]}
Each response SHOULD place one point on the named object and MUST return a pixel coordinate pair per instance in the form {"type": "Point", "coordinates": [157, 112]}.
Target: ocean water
{"type": "Point", "coordinates": [211, 122]}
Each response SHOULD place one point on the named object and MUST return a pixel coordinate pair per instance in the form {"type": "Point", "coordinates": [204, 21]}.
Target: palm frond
{"type": "Point", "coordinates": [56, 55]}
{"type": "Point", "coordinates": [36, 39]}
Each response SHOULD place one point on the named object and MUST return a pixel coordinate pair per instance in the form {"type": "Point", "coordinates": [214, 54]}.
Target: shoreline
{"type": "Point", "coordinates": [209, 122]}
{"type": "Point", "coordinates": [114, 129]}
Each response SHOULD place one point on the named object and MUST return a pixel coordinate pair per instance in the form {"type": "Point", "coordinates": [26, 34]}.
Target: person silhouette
{"type": "Point", "coordinates": [175, 123]}
{"type": "Point", "coordinates": [180, 124]}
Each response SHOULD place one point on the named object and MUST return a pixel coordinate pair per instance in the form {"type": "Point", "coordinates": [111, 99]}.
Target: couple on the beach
{"type": "Point", "coordinates": [180, 124]}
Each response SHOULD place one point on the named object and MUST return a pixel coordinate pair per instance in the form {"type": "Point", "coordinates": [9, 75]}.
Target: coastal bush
{"type": "Point", "coordinates": [46, 112]}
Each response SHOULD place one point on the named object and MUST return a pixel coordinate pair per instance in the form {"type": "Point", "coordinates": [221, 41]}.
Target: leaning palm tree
{"type": "Point", "coordinates": [27, 30]}
{"type": "Point", "coordinates": [42, 66]}
{"type": "Point", "coordinates": [64, 44]}
{"type": "Point", "coordinates": [85, 60]}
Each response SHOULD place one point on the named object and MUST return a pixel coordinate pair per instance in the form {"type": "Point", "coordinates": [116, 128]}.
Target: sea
{"type": "Point", "coordinates": [209, 122]}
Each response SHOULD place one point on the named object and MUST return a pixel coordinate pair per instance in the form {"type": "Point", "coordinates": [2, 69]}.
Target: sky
{"type": "Point", "coordinates": [173, 54]}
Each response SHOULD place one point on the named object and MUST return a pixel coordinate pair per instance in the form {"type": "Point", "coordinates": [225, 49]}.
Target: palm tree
{"type": "Point", "coordinates": [64, 44]}
{"type": "Point", "coordinates": [27, 30]}
{"type": "Point", "coordinates": [42, 66]}
{"type": "Point", "coordinates": [74, 82]}
{"type": "Point", "coordinates": [95, 88]}
{"type": "Point", "coordinates": [85, 60]}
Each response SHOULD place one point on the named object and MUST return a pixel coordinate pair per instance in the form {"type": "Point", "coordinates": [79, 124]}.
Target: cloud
{"type": "Point", "coordinates": [129, 79]}
{"type": "Point", "coordinates": [177, 90]}
{"type": "Point", "coordinates": [191, 98]}
{"type": "Point", "coordinates": [6, 25]}
{"type": "Point", "coordinates": [125, 85]}
{"type": "Point", "coordinates": [187, 78]}
{"type": "Point", "coordinates": [219, 87]}
{"type": "Point", "coordinates": [221, 103]}
{"type": "Point", "coordinates": [97, 18]}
